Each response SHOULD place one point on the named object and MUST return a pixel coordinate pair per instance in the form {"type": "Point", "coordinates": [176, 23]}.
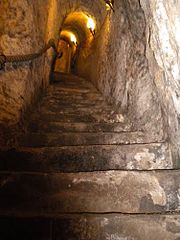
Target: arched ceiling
{"type": "Point", "coordinates": [96, 8]}
{"type": "Point", "coordinates": [64, 12]}
{"type": "Point", "coordinates": [76, 22]}
{"type": "Point", "coordinates": [73, 15]}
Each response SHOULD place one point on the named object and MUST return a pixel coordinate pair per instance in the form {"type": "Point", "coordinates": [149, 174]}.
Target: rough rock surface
{"type": "Point", "coordinates": [134, 61]}
{"type": "Point", "coordinates": [93, 227]}
{"type": "Point", "coordinates": [24, 28]}
{"type": "Point", "coordinates": [46, 194]}
{"type": "Point", "coordinates": [117, 65]}
{"type": "Point", "coordinates": [163, 44]}
{"type": "Point", "coordinates": [71, 190]}
{"type": "Point", "coordinates": [23, 32]}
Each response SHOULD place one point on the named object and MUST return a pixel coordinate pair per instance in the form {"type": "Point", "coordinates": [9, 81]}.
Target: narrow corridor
{"type": "Point", "coordinates": [81, 162]}
{"type": "Point", "coordinates": [74, 122]}
{"type": "Point", "coordinates": [89, 120]}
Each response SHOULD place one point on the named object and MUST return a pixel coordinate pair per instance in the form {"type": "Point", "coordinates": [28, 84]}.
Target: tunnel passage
{"type": "Point", "coordinates": [84, 168]}
{"type": "Point", "coordinates": [123, 60]}
{"type": "Point", "coordinates": [112, 56]}
{"type": "Point", "coordinates": [77, 33]}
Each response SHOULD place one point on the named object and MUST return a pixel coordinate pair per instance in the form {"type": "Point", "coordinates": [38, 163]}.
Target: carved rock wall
{"type": "Point", "coordinates": [23, 29]}
{"type": "Point", "coordinates": [133, 60]}
{"type": "Point", "coordinates": [117, 64]}
{"type": "Point", "coordinates": [163, 53]}
{"type": "Point", "coordinates": [25, 26]}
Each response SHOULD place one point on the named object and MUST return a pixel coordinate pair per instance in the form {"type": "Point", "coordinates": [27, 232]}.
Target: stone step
{"type": "Point", "coordinates": [77, 117]}
{"type": "Point", "coordinates": [70, 79]}
{"type": "Point", "coordinates": [77, 139]}
{"type": "Point", "coordinates": [52, 107]}
{"type": "Point", "coordinates": [73, 101]}
{"type": "Point", "coordinates": [87, 158]}
{"type": "Point", "coordinates": [37, 194]}
{"type": "Point", "coordinates": [69, 118]}
{"type": "Point", "coordinates": [75, 97]}
{"type": "Point", "coordinates": [58, 94]}
{"type": "Point", "coordinates": [44, 126]}
{"type": "Point", "coordinates": [67, 88]}
{"type": "Point", "coordinates": [76, 88]}
{"type": "Point", "coordinates": [92, 227]}
{"type": "Point", "coordinates": [72, 88]}
{"type": "Point", "coordinates": [68, 92]}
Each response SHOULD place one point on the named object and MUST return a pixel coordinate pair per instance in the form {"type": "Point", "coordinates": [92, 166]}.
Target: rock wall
{"type": "Point", "coordinates": [25, 26]}
{"type": "Point", "coordinates": [133, 60]}
{"type": "Point", "coordinates": [163, 53]}
{"type": "Point", "coordinates": [23, 30]}
{"type": "Point", "coordinates": [117, 64]}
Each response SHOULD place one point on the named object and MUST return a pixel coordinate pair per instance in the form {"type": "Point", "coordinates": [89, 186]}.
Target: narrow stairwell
{"type": "Point", "coordinates": [81, 171]}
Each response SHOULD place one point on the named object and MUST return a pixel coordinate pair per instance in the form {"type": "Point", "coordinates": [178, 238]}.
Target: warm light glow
{"type": "Point", "coordinates": [91, 24]}
{"type": "Point", "coordinates": [108, 7]}
{"type": "Point", "coordinates": [73, 38]}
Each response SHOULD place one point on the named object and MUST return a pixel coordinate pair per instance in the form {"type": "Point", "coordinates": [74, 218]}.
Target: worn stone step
{"type": "Point", "coordinates": [71, 79]}
{"type": "Point", "coordinates": [77, 139]}
{"type": "Point", "coordinates": [65, 94]}
{"type": "Point", "coordinates": [118, 227]}
{"type": "Point", "coordinates": [92, 227]}
{"type": "Point", "coordinates": [87, 158]}
{"type": "Point", "coordinates": [76, 104]}
{"type": "Point", "coordinates": [73, 103]}
{"type": "Point", "coordinates": [71, 88]}
{"type": "Point", "coordinates": [81, 110]}
{"type": "Point", "coordinates": [68, 96]}
{"type": "Point", "coordinates": [68, 117]}
{"type": "Point", "coordinates": [52, 107]}
{"type": "Point", "coordinates": [94, 192]}
{"type": "Point", "coordinates": [44, 126]}
{"type": "Point", "coordinates": [55, 106]}
{"type": "Point", "coordinates": [58, 94]}
{"type": "Point", "coordinates": [76, 116]}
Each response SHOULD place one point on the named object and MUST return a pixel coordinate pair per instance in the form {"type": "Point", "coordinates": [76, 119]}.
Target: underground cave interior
{"type": "Point", "coordinates": [99, 158]}
{"type": "Point", "coordinates": [119, 58]}
{"type": "Point", "coordinates": [77, 31]}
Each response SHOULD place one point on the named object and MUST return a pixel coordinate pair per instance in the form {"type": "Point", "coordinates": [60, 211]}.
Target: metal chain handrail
{"type": "Point", "coordinates": [27, 57]}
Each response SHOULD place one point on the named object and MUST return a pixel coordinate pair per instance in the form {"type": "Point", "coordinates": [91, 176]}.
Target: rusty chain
{"type": "Point", "coordinates": [27, 57]}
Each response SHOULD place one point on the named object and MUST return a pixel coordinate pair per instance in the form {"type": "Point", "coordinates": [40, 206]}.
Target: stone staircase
{"type": "Point", "coordinates": [82, 172]}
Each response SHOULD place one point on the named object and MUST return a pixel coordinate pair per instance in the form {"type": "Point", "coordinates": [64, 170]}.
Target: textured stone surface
{"type": "Point", "coordinates": [25, 27]}
{"type": "Point", "coordinates": [77, 139]}
{"type": "Point", "coordinates": [87, 158]}
{"type": "Point", "coordinates": [119, 68]}
{"type": "Point", "coordinates": [41, 126]}
{"type": "Point", "coordinates": [92, 227]}
{"type": "Point", "coordinates": [85, 136]}
{"type": "Point", "coordinates": [122, 65]}
{"type": "Point", "coordinates": [111, 191]}
{"type": "Point", "coordinates": [118, 227]}
{"type": "Point", "coordinates": [163, 44]}
{"type": "Point", "coordinates": [23, 32]}
{"type": "Point", "coordinates": [133, 60]}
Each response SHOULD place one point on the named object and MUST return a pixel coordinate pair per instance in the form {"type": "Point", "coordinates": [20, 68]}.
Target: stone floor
{"type": "Point", "coordinates": [81, 171]}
